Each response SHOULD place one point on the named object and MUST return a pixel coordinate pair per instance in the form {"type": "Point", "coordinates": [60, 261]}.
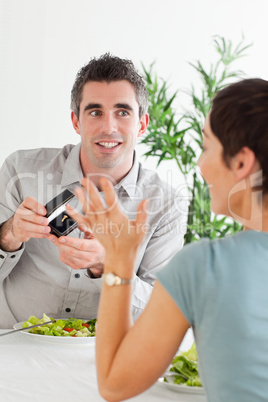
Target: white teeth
{"type": "Point", "coordinates": [108, 144]}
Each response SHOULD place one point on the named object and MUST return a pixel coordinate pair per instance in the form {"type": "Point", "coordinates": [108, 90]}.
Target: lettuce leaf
{"type": "Point", "coordinates": [69, 327]}
{"type": "Point", "coordinates": [186, 364]}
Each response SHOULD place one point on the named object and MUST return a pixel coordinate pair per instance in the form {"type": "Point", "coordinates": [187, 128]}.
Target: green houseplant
{"type": "Point", "coordinates": [171, 136]}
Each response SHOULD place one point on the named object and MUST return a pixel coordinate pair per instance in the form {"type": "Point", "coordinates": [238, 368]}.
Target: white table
{"type": "Point", "coordinates": [35, 371]}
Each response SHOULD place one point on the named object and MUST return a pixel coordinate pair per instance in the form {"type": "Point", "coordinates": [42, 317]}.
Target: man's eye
{"type": "Point", "coordinates": [95, 113]}
{"type": "Point", "coordinates": [123, 113]}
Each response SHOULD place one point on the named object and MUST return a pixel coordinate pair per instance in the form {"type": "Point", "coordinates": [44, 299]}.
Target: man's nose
{"type": "Point", "coordinates": [109, 124]}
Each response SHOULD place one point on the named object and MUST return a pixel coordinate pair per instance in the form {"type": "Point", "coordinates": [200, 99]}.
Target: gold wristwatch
{"type": "Point", "coordinates": [112, 280]}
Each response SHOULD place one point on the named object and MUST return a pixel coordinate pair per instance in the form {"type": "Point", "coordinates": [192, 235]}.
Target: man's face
{"type": "Point", "coordinates": [109, 125]}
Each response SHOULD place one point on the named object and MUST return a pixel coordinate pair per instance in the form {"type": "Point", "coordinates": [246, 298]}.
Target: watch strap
{"type": "Point", "coordinates": [112, 279]}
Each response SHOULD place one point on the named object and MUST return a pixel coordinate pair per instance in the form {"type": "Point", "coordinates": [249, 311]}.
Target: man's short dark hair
{"type": "Point", "coordinates": [109, 68]}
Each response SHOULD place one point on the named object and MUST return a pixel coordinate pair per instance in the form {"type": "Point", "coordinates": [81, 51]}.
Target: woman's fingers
{"type": "Point", "coordinates": [109, 192]}
{"type": "Point", "coordinates": [97, 214]}
{"type": "Point", "coordinates": [96, 204]}
{"type": "Point", "coordinates": [92, 204]}
{"type": "Point", "coordinates": [82, 198]}
{"type": "Point", "coordinates": [79, 218]}
{"type": "Point", "coordinates": [140, 223]}
{"type": "Point", "coordinates": [142, 212]}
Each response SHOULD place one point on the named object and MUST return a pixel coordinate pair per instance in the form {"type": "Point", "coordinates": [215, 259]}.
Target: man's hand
{"type": "Point", "coordinates": [28, 222]}
{"type": "Point", "coordinates": [81, 253]}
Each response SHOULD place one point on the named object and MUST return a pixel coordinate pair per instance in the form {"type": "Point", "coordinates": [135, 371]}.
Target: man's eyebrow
{"type": "Point", "coordinates": [90, 106]}
{"type": "Point", "coordinates": [123, 106]}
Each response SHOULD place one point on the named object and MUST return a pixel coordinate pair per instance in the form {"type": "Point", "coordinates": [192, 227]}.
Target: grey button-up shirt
{"type": "Point", "coordinates": [34, 281]}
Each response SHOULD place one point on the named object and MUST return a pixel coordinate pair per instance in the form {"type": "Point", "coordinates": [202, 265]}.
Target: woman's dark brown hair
{"type": "Point", "coordinates": [239, 118]}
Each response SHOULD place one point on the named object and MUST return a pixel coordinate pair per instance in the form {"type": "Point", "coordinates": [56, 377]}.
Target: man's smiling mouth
{"type": "Point", "coordinates": [105, 144]}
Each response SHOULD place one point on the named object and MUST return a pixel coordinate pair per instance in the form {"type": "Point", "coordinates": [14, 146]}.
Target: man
{"type": "Point", "coordinates": [40, 272]}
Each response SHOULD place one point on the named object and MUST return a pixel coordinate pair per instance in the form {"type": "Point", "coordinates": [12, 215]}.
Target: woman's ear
{"type": "Point", "coordinates": [243, 163]}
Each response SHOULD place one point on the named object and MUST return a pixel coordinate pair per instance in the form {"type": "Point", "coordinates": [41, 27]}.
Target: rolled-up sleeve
{"type": "Point", "coordinates": [9, 201]}
{"type": "Point", "coordinates": [8, 261]}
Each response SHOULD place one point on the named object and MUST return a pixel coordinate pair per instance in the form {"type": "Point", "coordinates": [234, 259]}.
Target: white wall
{"type": "Point", "coordinates": [43, 43]}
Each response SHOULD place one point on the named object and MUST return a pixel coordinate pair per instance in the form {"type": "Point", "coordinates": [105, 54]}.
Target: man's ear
{"type": "Point", "coordinates": [243, 163]}
{"type": "Point", "coordinates": [75, 122]}
{"type": "Point", "coordinates": [144, 121]}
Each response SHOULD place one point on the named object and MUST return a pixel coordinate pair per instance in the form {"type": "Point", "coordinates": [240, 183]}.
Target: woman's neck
{"type": "Point", "coordinates": [258, 215]}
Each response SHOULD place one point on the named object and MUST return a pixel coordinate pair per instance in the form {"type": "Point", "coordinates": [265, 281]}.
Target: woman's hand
{"type": "Point", "coordinates": [111, 227]}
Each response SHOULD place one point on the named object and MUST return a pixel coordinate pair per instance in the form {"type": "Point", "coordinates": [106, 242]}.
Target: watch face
{"type": "Point", "coordinates": [117, 280]}
{"type": "Point", "coordinates": [110, 279]}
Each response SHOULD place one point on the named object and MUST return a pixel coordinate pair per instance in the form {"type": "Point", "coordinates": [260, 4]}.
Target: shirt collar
{"type": "Point", "coordinates": [72, 172]}
{"type": "Point", "coordinates": [129, 182]}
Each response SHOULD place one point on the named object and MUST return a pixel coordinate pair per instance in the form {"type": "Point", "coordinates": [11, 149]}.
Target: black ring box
{"type": "Point", "coordinates": [61, 223]}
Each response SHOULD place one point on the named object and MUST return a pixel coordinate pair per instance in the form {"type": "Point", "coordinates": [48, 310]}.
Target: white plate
{"type": "Point", "coordinates": [57, 339]}
{"type": "Point", "coordinates": [185, 389]}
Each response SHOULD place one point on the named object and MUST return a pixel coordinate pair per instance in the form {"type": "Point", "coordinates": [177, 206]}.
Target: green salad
{"type": "Point", "coordinates": [69, 327]}
{"type": "Point", "coordinates": [185, 365]}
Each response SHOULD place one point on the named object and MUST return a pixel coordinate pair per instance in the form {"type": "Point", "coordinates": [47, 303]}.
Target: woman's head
{"type": "Point", "coordinates": [239, 118]}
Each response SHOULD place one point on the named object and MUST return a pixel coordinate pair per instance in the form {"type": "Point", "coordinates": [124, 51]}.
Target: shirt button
{"type": "Point", "coordinates": [1, 256]}
{"type": "Point", "coordinates": [77, 275]}
{"type": "Point", "coordinates": [67, 310]}
{"type": "Point", "coordinates": [12, 256]}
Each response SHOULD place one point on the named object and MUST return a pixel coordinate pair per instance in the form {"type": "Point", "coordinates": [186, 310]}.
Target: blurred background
{"type": "Point", "coordinates": [44, 43]}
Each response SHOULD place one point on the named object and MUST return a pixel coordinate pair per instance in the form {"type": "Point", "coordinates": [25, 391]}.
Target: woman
{"type": "Point", "coordinates": [217, 287]}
